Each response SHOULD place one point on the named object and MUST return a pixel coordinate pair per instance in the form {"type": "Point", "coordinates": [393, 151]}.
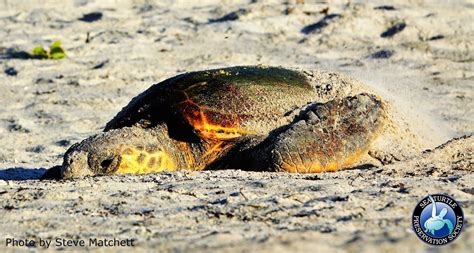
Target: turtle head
{"type": "Point", "coordinates": [76, 165]}
{"type": "Point", "coordinates": [95, 158]}
{"type": "Point", "coordinates": [77, 162]}
{"type": "Point", "coordinates": [96, 155]}
{"type": "Point", "coordinates": [129, 150]}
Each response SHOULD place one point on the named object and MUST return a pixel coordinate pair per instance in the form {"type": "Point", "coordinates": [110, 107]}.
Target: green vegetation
{"type": "Point", "coordinates": [55, 52]}
{"type": "Point", "coordinates": [40, 53]}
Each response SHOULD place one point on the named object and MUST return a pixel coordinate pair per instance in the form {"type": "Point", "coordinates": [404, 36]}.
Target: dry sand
{"type": "Point", "coordinates": [426, 70]}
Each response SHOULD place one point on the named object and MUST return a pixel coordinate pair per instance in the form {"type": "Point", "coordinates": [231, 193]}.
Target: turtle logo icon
{"type": "Point", "coordinates": [436, 222]}
{"type": "Point", "coordinates": [438, 219]}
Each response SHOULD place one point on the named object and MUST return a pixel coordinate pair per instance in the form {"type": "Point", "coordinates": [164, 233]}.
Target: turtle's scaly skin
{"type": "Point", "coordinates": [258, 118]}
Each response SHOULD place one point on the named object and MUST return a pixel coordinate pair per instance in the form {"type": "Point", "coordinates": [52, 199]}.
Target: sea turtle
{"type": "Point", "coordinates": [437, 222]}
{"type": "Point", "coordinates": [246, 117]}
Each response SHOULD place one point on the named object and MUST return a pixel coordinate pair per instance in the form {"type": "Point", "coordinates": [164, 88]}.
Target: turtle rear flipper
{"type": "Point", "coordinates": [325, 137]}
{"type": "Point", "coordinates": [449, 224]}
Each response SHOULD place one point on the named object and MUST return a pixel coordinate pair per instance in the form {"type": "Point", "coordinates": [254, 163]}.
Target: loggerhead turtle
{"type": "Point", "coordinates": [248, 117]}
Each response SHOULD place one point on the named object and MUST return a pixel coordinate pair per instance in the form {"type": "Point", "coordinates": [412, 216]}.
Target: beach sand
{"type": "Point", "coordinates": [418, 55]}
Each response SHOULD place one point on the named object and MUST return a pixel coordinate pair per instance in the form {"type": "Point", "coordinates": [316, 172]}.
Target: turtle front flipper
{"type": "Point", "coordinates": [324, 137]}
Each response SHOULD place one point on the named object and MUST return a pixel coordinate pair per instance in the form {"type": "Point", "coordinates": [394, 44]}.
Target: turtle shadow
{"type": "Point", "coordinates": [21, 174]}
{"type": "Point", "coordinates": [364, 166]}
{"type": "Point", "coordinates": [14, 53]}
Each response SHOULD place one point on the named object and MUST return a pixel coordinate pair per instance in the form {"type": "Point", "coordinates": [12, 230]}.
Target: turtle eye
{"type": "Point", "coordinates": [110, 164]}
{"type": "Point", "coordinates": [105, 164]}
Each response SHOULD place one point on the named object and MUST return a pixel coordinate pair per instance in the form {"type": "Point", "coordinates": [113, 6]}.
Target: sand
{"type": "Point", "coordinates": [419, 56]}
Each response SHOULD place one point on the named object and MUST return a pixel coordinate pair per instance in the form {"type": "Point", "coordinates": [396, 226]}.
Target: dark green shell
{"type": "Point", "coordinates": [230, 101]}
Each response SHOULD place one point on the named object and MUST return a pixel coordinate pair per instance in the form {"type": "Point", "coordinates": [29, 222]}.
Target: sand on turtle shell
{"type": "Point", "coordinates": [424, 69]}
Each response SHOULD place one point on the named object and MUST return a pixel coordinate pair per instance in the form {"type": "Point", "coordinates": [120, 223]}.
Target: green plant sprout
{"type": "Point", "coordinates": [55, 52]}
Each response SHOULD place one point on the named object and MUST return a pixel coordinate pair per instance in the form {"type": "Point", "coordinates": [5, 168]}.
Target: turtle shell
{"type": "Point", "coordinates": [222, 103]}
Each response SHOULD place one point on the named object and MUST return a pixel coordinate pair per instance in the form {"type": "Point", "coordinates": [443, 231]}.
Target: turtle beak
{"type": "Point", "coordinates": [75, 165]}
{"type": "Point", "coordinates": [53, 173]}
